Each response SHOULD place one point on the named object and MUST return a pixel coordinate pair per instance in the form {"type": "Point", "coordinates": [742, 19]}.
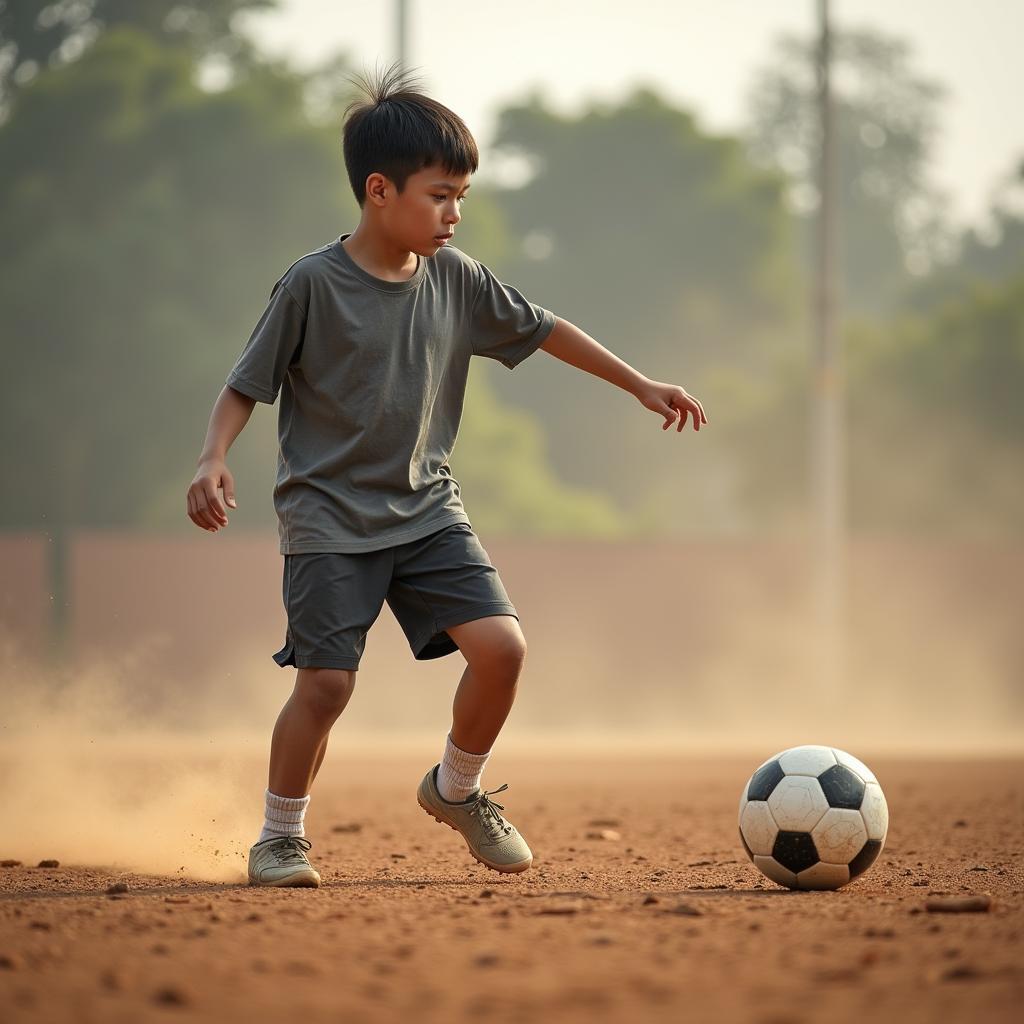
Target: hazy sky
{"type": "Point", "coordinates": [473, 57]}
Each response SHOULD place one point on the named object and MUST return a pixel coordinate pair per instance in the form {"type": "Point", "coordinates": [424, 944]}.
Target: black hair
{"type": "Point", "coordinates": [396, 131]}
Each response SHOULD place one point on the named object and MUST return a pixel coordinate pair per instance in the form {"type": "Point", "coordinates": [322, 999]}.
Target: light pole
{"type": "Point", "coordinates": [828, 470]}
{"type": "Point", "coordinates": [402, 31]}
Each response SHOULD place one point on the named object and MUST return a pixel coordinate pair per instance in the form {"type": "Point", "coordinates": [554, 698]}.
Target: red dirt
{"type": "Point", "coordinates": [669, 921]}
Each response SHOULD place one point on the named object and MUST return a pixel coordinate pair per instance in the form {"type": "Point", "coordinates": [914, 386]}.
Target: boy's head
{"type": "Point", "coordinates": [409, 160]}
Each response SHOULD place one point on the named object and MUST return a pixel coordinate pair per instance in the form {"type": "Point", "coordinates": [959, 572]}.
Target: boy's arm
{"type": "Point", "coordinates": [230, 414]}
{"type": "Point", "coordinates": [573, 346]}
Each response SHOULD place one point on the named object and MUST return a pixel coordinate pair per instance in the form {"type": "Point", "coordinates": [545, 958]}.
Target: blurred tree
{"type": "Point", "coordinates": [145, 221]}
{"type": "Point", "coordinates": [35, 35]}
{"type": "Point", "coordinates": [665, 244]}
{"type": "Point", "coordinates": [993, 252]}
{"type": "Point", "coordinates": [891, 217]}
{"type": "Point", "coordinates": [936, 425]}
{"type": "Point", "coordinates": [937, 433]}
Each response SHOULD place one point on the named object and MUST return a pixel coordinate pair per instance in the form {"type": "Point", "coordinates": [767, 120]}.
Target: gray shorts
{"type": "Point", "coordinates": [440, 580]}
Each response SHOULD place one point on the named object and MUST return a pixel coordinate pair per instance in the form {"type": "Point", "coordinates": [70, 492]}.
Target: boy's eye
{"type": "Point", "coordinates": [462, 199]}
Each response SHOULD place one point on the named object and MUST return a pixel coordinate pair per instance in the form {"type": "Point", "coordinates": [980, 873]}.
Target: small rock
{"type": "Point", "coordinates": [959, 823]}
{"type": "Point", "coordinates": [602, 940]}
{"type": "Point", "coordinates": [10, 863]}
{"type": "Point", "coordinates": [958, 905]}
{"type": "Point", "coordinates": [354, 826]}
{"type": "Point", "coordinates": [48, 864]}
{"type": "Point", "coordinates": [110, 981]}
{"type": "Point", "coordinates": [604, 823]}
{"type": "Point", "coordinates": [9, 962]}
{"type": "Point", "coordinates": [686, 910]}
{"type": "Point", "coordinates": [648, 900]}
{"type": "Point", "coordinates": [159, 949]}
{"type": "Point", "coordinates": [978, 867]}
{"type": "Point", "coordinates": [961, 972]}
{"type": "Point", "coordinates": [254, 917]}
{"type": "Point", "coordinates": [176, 899]}
{"type": "Point", "coordinates": [486, 894]}
{"type": "Point", "coordinates": [117, 887]}
{"type": "Point", "coordinates": [42, 926]}
{"type": "Point", "coordinates": [170, 996]}
{"type": "Point", "coordinates": [487, 960]}
{"type": "Point", "coordinates": [398, 856]}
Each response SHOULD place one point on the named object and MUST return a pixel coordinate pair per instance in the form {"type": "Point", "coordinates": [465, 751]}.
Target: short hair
{"type": "Point", "coordinates": [396, 131]}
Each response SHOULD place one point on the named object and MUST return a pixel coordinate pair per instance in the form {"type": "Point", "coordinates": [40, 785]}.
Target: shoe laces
{"type": "Point", "coordinates": [291, 848]}
{"type": "Point", "coordinates": [487, 811]}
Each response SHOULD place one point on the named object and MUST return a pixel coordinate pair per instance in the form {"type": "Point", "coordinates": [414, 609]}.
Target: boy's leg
{"type": "Point", "coordinates": [296, 753]}
{"type": "Point", "coordinates": [303, 726]}
{"type": "Point", "coordinates": [494, 649]}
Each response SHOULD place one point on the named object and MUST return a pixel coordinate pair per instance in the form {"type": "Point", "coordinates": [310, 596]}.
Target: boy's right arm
{"type": "Point", "coordinates": [230, 414]}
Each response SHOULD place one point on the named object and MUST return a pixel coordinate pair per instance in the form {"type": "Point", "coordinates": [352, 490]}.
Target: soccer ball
{"type": "Point", "coordinates": [813, 818]}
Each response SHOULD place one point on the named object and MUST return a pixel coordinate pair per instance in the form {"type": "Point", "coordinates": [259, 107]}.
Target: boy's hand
{"type": "Point", "coordinates": [205, 508]}
{"type": "Point", "coordinates": [672, 402]}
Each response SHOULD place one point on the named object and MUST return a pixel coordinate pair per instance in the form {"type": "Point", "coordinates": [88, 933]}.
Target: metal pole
{"type": "Point", "coordinates": [402, 31]}
{"type": "Point", "coordinates": [827, 442]}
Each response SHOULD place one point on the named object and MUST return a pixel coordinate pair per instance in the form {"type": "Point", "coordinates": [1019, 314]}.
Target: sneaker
{"type": "Point", "coordinates": [281, 861]}
{"type": "Point", "coordinates": [492, 840]}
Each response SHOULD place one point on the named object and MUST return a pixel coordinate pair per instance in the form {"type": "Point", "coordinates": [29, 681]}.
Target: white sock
{"type": "Point", "coordinates": [283, 816]}
{"type": "Point", "coordinates": [460, 771]}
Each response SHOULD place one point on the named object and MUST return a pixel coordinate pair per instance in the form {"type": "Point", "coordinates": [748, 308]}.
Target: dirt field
{"type": "Point", "coordinates": [668, 921]}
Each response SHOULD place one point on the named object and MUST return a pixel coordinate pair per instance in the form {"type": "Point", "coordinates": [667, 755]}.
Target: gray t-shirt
{"type": "Point", "coordinates": [372, 376]}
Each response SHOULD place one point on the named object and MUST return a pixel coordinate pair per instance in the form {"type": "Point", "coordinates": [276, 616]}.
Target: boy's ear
{"type": "Point", "coordinates": [378, 189]}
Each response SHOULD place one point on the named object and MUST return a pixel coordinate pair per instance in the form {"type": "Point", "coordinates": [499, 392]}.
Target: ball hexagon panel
{"type": "Point", "coordinates": [823, 876]}
{"type": "Point", "coordinates": [842, 787]}
{"type": "Point", "coordinates": [849, 761]}
{"type": "Point", "coordinates": [797, 803]}
{"type": "Point", "coordinates": [795, 851]}
{"type": "Point", "coordinates": [839, 836]}
{"type": "Point", "coordinates": [764, 780]}
{"type": "Point", "coordinates": [866, 857]}
{"type": "Point", "coordinates": [875, 811]}
{"type": "Point", "coordinates": [807, 760]}
{"type": "Point", "coordinates": [775, 871]}
{"type": "Point", "coordinates": [758, 829]}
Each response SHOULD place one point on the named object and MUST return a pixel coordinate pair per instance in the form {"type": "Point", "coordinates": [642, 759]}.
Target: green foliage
{"type": "Point", "coordinates": [34, 35]}
{"type": "Point", "coordinates": [994, 254]}
{"type": "Point", "coordinates": [934, 422]}
{"type": "Point", "coordinates": [673, 251]}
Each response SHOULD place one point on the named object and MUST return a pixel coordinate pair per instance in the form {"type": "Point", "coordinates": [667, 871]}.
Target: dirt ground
{"type": "Point", "coordinates": [662, 918]}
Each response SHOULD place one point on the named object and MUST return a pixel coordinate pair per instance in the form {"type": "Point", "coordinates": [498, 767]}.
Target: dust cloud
{"type": "Point", "coordinates": [141, 757]}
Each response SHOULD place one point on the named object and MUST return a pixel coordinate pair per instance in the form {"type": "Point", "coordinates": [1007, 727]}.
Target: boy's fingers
{"type": "Point", "coordinates": [205, 519]}
{"type": "Point", "coordinates": [213, 502]}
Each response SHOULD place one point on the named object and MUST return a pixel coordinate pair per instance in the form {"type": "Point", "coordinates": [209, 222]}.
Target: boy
{"type": "Point", "coordinates": [368, 339]}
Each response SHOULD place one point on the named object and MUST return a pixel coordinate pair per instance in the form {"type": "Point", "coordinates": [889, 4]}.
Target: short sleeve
{"type": "Point", "coordinates": [273, 346]}
{"type": "Point", "coordinates": [504, 325]}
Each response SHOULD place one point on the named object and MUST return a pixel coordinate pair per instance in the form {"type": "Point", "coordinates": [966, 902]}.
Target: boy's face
{"type": "Point", "coordinates": [423, 216]}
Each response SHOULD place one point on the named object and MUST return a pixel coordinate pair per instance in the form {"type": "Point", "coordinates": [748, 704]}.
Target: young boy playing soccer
{"type": "Point", "coordinates": [368, 339]}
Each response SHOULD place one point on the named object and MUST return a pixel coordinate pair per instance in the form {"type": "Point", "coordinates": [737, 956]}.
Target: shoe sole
{"type": "Point", "coordinates": [302, 881]}
{"type": "Point", "coordinates": [504, 869]}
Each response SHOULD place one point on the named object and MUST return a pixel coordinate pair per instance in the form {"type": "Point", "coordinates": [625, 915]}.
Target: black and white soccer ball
{"type": "Point", "coordinates": [813, 818]}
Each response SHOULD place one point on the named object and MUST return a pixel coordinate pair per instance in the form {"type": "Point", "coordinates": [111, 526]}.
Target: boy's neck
{"type": "Point", "coordinates": [378, 257]}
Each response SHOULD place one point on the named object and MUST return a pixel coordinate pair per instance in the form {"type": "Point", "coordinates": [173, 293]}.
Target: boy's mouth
{"type": "Point", "coordinates": [443, 238]}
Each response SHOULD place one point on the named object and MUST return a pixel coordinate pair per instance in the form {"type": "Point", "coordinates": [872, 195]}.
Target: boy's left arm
{"type": "Point", "coordinates": [573, 346]}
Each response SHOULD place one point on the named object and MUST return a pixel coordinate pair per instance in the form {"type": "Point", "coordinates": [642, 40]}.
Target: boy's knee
{"type": "Point", "coordinates": [504, 657]}
{"type": "Point", "coordinates": [326, 690]}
